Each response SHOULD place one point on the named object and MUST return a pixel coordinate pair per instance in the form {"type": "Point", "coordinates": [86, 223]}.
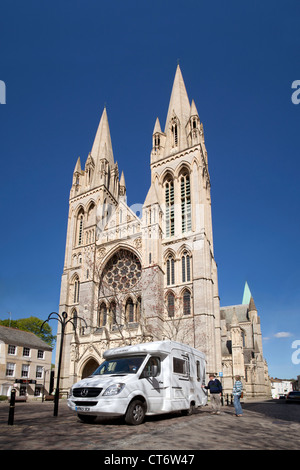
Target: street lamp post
{"type": "Point", "coordinates": [63, 321]}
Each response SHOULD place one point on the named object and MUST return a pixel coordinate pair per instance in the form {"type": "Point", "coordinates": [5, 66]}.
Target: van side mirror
{"type": "Point", "coordinates": [152, 372]}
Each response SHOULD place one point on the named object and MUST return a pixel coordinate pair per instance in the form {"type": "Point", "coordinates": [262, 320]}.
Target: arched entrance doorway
{"type": "Point", "coordinates": [89, 368]}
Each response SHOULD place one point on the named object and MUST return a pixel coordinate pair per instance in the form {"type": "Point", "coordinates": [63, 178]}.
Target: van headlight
{"type": "Point", "coordinates": [113, 390]}
{"type": "Point", "coordinates": [71, 391]}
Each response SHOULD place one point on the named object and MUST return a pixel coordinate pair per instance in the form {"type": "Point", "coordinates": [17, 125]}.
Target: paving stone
{"type": "Point", "coordinates": [266, 425]}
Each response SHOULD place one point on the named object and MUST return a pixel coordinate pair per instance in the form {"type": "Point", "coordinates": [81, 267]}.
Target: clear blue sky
{"type": "Point", "coordinates": [62, 61]}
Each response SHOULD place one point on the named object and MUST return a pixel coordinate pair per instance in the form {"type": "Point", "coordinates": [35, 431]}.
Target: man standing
{"type": "Point", "coordinates": [215, 388]}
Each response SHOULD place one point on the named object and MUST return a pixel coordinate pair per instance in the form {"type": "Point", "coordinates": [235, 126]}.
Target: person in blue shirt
{"type": "Point", "coordinates": [237, 392]}
{"type": "Point", "coordinates": [215, 388]}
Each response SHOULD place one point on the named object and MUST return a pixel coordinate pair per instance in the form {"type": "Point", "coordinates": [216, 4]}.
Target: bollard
{"type": "Point", "coordinates": [12, 407]}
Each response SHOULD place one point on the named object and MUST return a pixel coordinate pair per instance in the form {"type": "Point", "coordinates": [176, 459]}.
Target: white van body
{"type": "Point", "coordinates": [144, 379]}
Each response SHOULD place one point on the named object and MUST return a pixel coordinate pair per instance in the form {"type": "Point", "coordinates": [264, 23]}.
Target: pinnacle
{"type": "Point", "coordinates": [102, 147]}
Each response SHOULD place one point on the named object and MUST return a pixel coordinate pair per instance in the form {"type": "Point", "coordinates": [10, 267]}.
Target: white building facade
{"type": "Point", "coordinates": [25, 364]}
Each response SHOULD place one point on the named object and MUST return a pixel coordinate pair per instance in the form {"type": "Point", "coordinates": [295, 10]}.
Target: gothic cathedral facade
{"type": "Point", "coordinates": [130, 278]}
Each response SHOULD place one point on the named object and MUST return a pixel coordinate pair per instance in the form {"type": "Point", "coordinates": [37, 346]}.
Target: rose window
{"type": "Point", "coordinates": [122, 271]}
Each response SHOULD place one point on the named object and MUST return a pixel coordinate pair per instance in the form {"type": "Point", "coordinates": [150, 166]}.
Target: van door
{"type": "Point", "coordinates": [152, 384]}
{"type": "Point", "coordinates": [180, 380]}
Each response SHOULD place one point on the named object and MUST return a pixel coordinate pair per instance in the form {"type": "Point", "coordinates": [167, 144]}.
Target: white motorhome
{"type": "Point", "coordinates": [144, 379]}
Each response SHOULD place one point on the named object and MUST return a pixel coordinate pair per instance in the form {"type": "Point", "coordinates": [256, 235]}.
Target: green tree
{"type": "Point", "coordinates": [33, 325]}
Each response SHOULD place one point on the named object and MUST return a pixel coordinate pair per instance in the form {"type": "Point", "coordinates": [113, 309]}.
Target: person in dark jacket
{"type": "Point", "coordinates": [215, 388]}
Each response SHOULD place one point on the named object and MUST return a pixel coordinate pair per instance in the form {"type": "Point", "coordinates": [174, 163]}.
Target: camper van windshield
{"type": "Point", "coordinates": [120, 366]}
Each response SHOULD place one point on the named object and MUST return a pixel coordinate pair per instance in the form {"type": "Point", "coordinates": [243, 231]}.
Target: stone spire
{"type": "Point", "coordinates": [178, 115]}
{"type": "Point", "coordinates": [193, 111]}
{"type": "Point", "coordinates": [102, 147]}
{"type": "Point", "coordinates": [77, 168]}
{"type": "Point", "coordinates": [157, 128]}
{"type": "Point", "coordinates": [252, 311]}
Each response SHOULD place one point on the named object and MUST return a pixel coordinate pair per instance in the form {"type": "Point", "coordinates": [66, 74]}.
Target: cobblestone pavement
{"type": "Point", "coordinates": [266, 425]}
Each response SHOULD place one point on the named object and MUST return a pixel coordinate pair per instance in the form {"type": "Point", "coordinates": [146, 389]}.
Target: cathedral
{"type": "Point", "coordinates": [131, 277]}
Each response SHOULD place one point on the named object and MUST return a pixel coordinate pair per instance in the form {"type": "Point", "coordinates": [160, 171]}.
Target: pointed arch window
{"type": "Point", "coordinates": [75, 318]}
{"type": "Point", "coordinates": [102, 318]}
{"type": "Point", "coordinates": [170, 210]}
{"type": "Point", "coordinates": [113, 312]}
{"type": "Point", "coordinates": [91, 214]}
{"type": "Point", "coordinates": [171, 305]}
{"type": "Point", "coordinates": [129, 310]}
{"type": "Point", "coordinates": [186, 267]}
{"type": "Point", "coordinates": [79, 230]}
{"type": "Point", "coordinates": [170, 270]}
{"type": "Point", "coordinates": [76, 290]}
{"type": "Point", "coordinates": [186, 302]}
{"type": "Point", "coordinates": [185, 194]}
{"type": "Point", "coordinates": [174, 129]}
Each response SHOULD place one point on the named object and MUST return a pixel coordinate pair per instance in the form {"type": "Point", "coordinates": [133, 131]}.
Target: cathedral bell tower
{"type": "Point", "coordinates": [177, 214]}
{"type": "Point", "coordinates": [94, 195]}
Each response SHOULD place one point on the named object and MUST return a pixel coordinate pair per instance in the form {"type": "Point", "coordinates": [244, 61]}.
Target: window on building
{"type": "Point", "coordinates": [122, 272]}
{"type": "Point", "coordinates": [40, 354]}
{"type": "Point", "coordinates": [26, 352]}
{"type": "Point", "coordinates": [129, 311]}
{"type": "Point", "coordinates": [102, 315]}
{"type": "Point", "coordinates": [12, 349]}
{"type": "Point", "coordinates": [80, 230]}
{"type": "Point", "coordinates": [170, 210]}
{"type": "Point", "coordinates": [186, 267]}
{"type": "Point", "coordinates": [174, 129]}
{"type": "Point", "coordinates": [39, 372]}
{"type": "Point", "coordinates": [76, 290]}
{"type": "Point", "coordinates": [25, 370]}
{"type": "Point", "coordinates": [79, 227]}
{"type": "Point", "coordinates": [171, 305]}
{"type": "Point", "coordinates": [75, 318]}
{"type": "Point", "coordinates": [10, 369]}
{"type": "Point", "coordinates": [113, 312]}
{"type": "Point", "coordinates": [186, 302]}
{"type": "Point", "coordinates": [185, 192]}
{"type": "Point", "coordinates": [170, 270]}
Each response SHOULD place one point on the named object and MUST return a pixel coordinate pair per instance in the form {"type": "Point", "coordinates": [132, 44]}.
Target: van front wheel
{"type": "Point", "coordinates": [135, 413]}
